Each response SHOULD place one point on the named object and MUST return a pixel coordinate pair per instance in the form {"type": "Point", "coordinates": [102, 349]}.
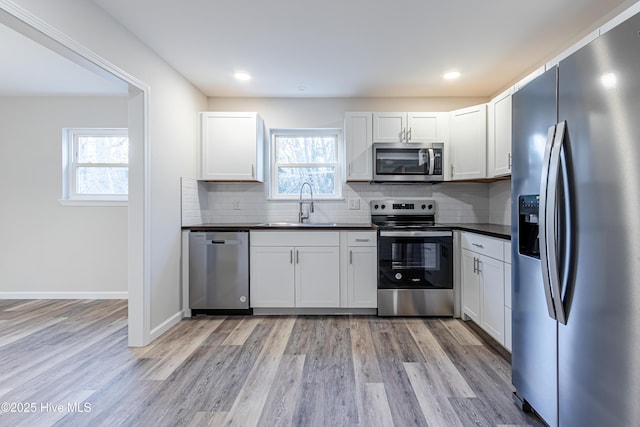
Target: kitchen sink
{"type": "Point", "coordinates": [297, 224]}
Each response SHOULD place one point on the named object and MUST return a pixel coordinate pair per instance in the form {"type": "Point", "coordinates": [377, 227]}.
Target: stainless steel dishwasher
{"type": "Point", "coordinates": [219, 272]}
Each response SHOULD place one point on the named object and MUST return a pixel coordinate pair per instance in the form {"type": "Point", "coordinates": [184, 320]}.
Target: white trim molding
{"type": "Point", "coordinates": [166, 325]}
{"type": "Point", "coordinates": [64, 295]}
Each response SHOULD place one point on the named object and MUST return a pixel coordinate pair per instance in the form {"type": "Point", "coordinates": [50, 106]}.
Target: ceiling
{"type": "Point", "coordinates": [30, 69]}
{"type": "Point", "coordinates": [329, 48]}
{"type": "Point", "coordinates": [358, 48]}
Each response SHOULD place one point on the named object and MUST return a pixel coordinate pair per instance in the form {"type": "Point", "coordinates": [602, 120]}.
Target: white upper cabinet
{"type": "Point", "coordinates": [427, 127]}
{"type": "Point", "coordinates": [358, 130]}
{"type": "Point", "coordinates": [389, 127]}
{"type": "Point", "coordinates": [499, 135]}
{"type": "Point", "coordinates": [232, 147]}
{"type": "Point", "coordinates": [410, 127]}
{"type": "Point", "coordinates": [468, 143]}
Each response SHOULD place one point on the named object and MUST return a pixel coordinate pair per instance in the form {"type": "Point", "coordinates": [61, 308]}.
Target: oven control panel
{"type": "Point", "coordinates": [403, 207]}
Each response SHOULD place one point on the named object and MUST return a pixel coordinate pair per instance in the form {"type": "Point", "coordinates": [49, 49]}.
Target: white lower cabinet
{"type": "Point", "coordinates": [492, 312]}
{"type": "Point", "coordinates": [507, 295]}
{"type": "Point", "coordinates": [484, 285]}
{"type": "Point", "coordinates": [317, 281]}
{"type": "Point", "coordinates": [272, 277]}
{"type": "Point", "coordinates": [294, 269]}
{"type": "Point", "coordinates": [362, 268]}
{"type": "Point", "coordinates": [470, 286]}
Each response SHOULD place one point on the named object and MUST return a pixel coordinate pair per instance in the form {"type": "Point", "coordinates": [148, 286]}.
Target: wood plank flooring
{"type": "Point", "coordinates": [67, 363]}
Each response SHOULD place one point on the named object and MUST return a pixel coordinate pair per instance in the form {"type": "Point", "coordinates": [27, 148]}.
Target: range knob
{"type": "Point", "coordinates": [430, 207]}
{"type": "Point", "coordinates": [375, 207]}
{"type": "Point", "coordinates": [383, 206]}
{"type": "Point", "coordinates": [424, 206]}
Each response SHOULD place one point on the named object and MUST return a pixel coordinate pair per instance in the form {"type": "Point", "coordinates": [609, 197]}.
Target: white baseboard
{"type": "Point", "coordinates": [166, 325]}
{"type": "Point", "coordinates": [64, 295]}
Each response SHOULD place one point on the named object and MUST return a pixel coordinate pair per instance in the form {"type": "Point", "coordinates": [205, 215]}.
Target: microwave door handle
{"type": "Point", "coordinates": [432, 160]}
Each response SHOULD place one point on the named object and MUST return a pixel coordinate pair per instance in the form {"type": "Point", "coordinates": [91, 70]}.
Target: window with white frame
{"type": "Point", "coordinates": [96, 165]}
{"type": "Point", "coordinates": [306, 155]}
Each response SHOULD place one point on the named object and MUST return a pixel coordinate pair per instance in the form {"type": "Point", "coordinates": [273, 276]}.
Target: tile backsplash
{"type": "Point", "coordinates": [248, 203]}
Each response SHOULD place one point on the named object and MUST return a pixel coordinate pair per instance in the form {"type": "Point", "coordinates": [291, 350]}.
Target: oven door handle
{"type": "Point", "coordinates": [401, 233]}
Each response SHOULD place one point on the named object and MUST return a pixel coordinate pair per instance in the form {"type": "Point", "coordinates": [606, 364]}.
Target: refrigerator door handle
{"type": "Point", "coordinates": [543, 226]}
{"type": "Point", "coordinates": [552, 215]}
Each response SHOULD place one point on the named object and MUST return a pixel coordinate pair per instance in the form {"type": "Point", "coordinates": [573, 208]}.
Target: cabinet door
{"type": "Point", "coordinates": [507, 306]}
{"type": "Point", "coordinates": [362, 280]}
{"type": "Point", "coordinates": [389, 127]}
{"type": "Point", "coordinates": [231, 144]}
{"type": "Point", "coordinates": [358, 130]}
{"type": "Point", "coordinates": [272, 277]}
{"type": "Point", "coordinates": [470, 286]}
{"type": "Point", "coordinates": [499, 132]}
{"type": "Point", "coordinates": [427, 127]}
{"type": "Point", "coordinates": [468, 139]}
{"type": "Point", "coordinates": [491, 273]}
{"type": "Point", "coordinates": [317, 274]}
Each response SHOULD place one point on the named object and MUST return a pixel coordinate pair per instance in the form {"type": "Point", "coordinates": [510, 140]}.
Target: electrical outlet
{"type": "Point", "coordinates": [236, 205]}
{"type": "Point", "coordinates": [354, 204]}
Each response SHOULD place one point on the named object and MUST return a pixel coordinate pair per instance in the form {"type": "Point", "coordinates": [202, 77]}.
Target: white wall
{"type": "Point", "coordinates": [48, 249]}
{"type": "Point", "coordinates": [172, 106]}
{"type": "Point", "coordinates": [500, 202]}
{"type": "Point", "coordinates": [329, 112]}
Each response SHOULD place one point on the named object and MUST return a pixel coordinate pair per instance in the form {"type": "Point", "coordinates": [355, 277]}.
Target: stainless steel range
{"type": "Point", "coordinates": [415, 259]}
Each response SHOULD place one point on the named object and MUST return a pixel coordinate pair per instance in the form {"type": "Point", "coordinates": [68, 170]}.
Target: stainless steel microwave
{"type": "Point", "coordinates": [410, 162]}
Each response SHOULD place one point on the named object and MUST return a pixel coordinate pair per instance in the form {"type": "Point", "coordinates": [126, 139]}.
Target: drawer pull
{"type": "Point", "coordinates": [478, 245]}
{"type": "Point", "coordinates": [363, 240]}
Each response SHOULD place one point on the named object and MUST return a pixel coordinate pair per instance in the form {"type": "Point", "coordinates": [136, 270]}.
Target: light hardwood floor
{"type": "Point", "coordinates": [247, 371]}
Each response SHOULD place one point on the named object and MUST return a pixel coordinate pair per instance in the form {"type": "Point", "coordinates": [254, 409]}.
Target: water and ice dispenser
{"type": "Point", "coordinates": [528, 237]}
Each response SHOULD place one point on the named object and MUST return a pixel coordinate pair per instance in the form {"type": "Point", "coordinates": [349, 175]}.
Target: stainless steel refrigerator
{"type": "Point", "coordinates": [576, 236]}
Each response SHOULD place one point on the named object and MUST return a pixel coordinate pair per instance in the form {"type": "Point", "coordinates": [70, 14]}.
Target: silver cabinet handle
{"type": "Point", "coordinates": [477, 245]}
{"type": "Point", "coordinates": [479, 263]}
{"type": "Point", "coordinates": [350, 257]}
{"type": "Point", "coordinates": [475, 270]}
{"type": "Point", "coordinates": [297, 256]}
{"type": "Point", "coordinates": [362, 240]}
{"type": "Point", "coordinates": [402, 133]}
{"type": "Point", "coordinates": [409, 135]}
{"type": "Point", "coordinates": [451, 170]}
{"type": "Point", "coordinates": [253, 171]}
{"type": "Point", "coordinates": [291, 256]}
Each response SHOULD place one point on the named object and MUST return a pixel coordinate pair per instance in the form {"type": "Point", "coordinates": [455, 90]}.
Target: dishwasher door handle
{"type": "Point", "coordinates": [224, 242]}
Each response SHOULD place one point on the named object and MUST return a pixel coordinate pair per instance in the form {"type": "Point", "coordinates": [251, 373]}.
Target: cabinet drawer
{"type": "Point", "coordinates": [294, 238]}
{"type": "Point", "coordinates": [483, 245]}
{"type": "Point", "coordinates": [361, 238]}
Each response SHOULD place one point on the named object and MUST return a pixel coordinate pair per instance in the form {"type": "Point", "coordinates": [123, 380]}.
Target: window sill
{"type": "Point", "coordinates": [88, 203]}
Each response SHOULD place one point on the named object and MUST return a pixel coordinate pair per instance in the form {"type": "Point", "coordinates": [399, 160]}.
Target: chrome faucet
{"type": "Point", "coordinates": [301, 214]}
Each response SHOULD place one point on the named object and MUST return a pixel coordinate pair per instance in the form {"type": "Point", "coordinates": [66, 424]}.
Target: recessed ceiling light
{"type": "Point", "coordinates": [242, 76]}
{"type": "Point", "coordinates": [452, 75]}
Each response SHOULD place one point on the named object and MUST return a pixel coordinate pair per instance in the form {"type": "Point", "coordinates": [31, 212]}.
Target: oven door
{"type": "Point", "coordinates": [415, 260]}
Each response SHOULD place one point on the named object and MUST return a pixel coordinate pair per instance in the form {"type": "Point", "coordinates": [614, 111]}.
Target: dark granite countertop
{"type": "Point", "coordinates": [493, 230]}
{"type": "Point", "coordinates": [281, 226]}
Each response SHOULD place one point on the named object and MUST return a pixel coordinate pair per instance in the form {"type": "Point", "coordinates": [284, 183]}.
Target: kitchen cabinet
{"type": "Point", "coordinates": [499, 135]}
{"type": "Point", "coordinates": [294, 269]}
{"type": "Point", "coordinates": [507, 295]}
{"type": "Point", "coordinates": [232, 147]}
{"type": "Point", "coordinates": [362, 268]}
{"type": "Point", "coordinates": [410, 127]}
{"type": "Point", "coordinates": [358, 128]}
{"type": "Point", "coordinates": [468, 141]}
{"type": "Point", "coordinates": [483, 285]}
